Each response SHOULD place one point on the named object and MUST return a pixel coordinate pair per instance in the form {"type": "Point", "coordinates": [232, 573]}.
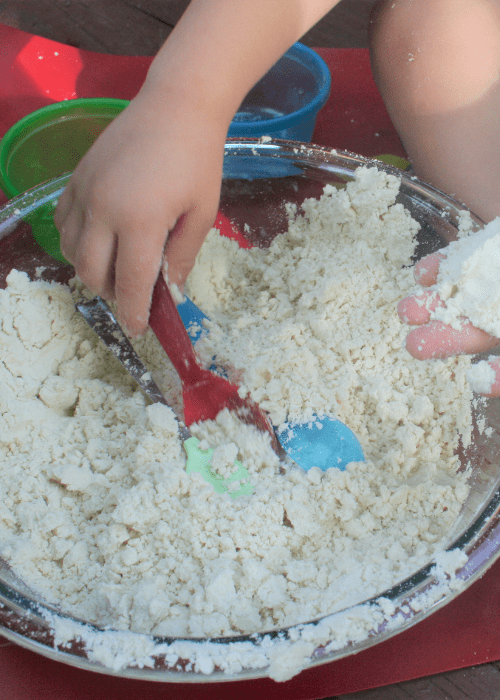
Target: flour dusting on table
{"type": "Point", "coordinates": [99, 515]}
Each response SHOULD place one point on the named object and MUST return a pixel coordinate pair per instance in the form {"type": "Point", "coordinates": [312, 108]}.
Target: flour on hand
{"type": "Point", "coordinates": [468, 281]}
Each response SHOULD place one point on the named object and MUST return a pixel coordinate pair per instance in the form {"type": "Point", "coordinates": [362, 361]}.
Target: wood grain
{"type": "Point", "coordinates": [139, 27]}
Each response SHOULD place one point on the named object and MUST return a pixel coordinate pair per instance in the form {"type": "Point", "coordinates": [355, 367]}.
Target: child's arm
{"type": "Point", "coordinates": [155, 172]}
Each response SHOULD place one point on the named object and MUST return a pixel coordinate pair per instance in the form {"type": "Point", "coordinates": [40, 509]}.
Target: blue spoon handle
{"type": "Point", "coordinates": [192, 317]}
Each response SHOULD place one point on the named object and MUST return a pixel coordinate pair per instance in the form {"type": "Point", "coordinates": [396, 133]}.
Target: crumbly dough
{"type": "Point", "coordinates": [468, 281]}
{"type": "Point", "coordinates": [481, 376]}
{"type": "Point", "coordinates": [98, 513]}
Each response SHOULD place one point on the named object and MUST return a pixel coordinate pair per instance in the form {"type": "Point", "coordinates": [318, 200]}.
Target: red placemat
{"type": "Point", "coordinates": [35, 72]}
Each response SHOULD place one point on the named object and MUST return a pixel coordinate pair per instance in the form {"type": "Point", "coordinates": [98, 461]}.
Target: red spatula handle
{"type": "Point", "coordinates": [166, 323]}
{"type": "Point", "coordinates": [204, 393]}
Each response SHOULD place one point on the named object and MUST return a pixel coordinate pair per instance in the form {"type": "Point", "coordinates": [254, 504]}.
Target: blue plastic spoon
{"type": "Point", "coordinates": [322, 442]}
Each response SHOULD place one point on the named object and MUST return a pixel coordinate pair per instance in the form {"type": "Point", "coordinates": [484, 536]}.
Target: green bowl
{"type": "Point", "coordinates": [46, 144]}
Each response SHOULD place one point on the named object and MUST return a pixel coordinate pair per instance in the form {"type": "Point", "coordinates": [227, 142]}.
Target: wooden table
{"type": "Point", "coordinates": [139, 27]}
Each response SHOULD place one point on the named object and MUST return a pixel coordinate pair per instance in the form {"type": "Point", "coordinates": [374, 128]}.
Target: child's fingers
{"type": "Point", "coordinates": [70, 230]}
{"type": "Point", "coordinates": [64, 205]}
{"type": "Point", "coordinates": [426, 270]}
{"type": "Point", "coordinates": [416, 309]}
{"type": "Point", "coordinates": [136, 270]}
{"type": "Point", "coordinates": [184, 242]}
{"type": "Point", "coordinates": [435, 340]}
{"type": "Point", "coordinates": [94, 260]}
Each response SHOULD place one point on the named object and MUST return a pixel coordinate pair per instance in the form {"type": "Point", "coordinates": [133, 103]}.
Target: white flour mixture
{"type": "Point", "coordinates": [468, 280]}
{"type": "Point", "coordinates": [468, 283]}
{"type": "Point", "coordinates": [97, 512]}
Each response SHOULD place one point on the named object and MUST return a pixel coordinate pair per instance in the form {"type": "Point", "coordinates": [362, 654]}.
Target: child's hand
{"type": "Point", "coordinates": [434, 339]}
{"type": "Point", "coordinates": [149, 185]}
{"type": "Point", "coordinates": [155, 172]}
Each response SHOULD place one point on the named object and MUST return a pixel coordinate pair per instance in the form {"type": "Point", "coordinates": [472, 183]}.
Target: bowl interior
{"type": "Point", "coordinates": [282, 172]}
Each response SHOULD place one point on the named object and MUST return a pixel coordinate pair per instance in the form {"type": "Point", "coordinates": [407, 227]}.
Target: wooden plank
{"type": "Point", "coordinates": [139, 27]}
{"type": "Point", "coordinates": [346, 26]}
{"type": "Point", "coordinates": [471, 683]}
{"type": "Point", "coordinates": [475, 683]}
{"type": "Point", "coordinates": [390, 692]}
{"type": "Point", "coordinates": [126, 27]}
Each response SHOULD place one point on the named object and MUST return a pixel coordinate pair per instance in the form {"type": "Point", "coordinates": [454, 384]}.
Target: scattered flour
{"type": "Point", "coordinates": [99, 516]}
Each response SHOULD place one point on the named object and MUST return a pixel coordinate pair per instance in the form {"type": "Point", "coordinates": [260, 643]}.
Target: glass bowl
{"type": "Point", "coordinates": [279, 171]}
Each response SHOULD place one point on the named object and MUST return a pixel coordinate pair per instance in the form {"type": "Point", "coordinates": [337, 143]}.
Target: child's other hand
{"type": "Point", "coordinates": [434, 339]}
{"type": "Point", "coordinates": [149, 186]}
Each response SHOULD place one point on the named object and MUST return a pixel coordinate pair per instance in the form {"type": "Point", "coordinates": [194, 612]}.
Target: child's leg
{"type": "Point", "coordinates": [437, 65]}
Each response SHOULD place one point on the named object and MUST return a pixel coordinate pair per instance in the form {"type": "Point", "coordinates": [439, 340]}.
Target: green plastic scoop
{"type": "Point", "coordinates": [101, 319]}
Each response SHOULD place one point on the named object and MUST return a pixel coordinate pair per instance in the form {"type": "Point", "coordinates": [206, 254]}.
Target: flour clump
{"type": "Point", "coordinates": [468, 280]}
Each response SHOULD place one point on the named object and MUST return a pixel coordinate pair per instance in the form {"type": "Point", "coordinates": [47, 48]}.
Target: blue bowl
{"type": "Point", "coordinates": [284, 104]}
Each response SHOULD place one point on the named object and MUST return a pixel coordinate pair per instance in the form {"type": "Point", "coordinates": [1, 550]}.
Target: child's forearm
{"type": "Point", "coordinates": [221, 48]}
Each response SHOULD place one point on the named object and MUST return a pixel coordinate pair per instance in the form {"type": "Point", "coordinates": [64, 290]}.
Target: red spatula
{"type": "Point", "coordinates": [205, 394]}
